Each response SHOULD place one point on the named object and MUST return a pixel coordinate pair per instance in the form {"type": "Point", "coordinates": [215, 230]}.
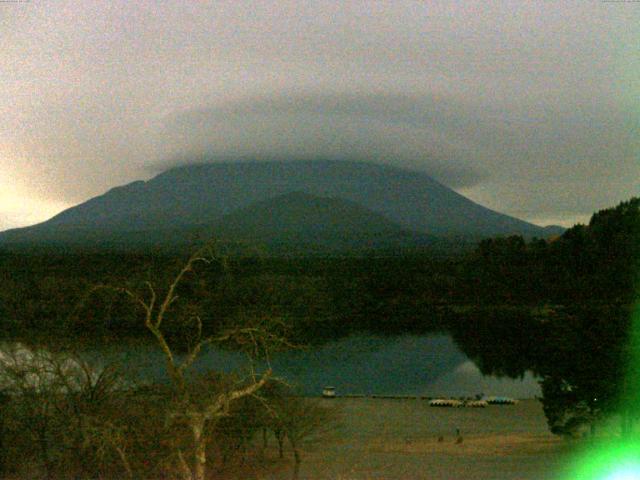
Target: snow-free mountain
{"type": "Point", "coordinates": [275, 201]}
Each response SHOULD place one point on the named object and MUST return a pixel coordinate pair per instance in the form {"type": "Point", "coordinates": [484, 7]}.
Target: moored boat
{"type": "Point", "coordinates": [328, 392]}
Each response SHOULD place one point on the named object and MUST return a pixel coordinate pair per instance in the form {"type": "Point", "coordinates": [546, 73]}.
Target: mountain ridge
{"type": "Point", "coordinates": [203, 194]}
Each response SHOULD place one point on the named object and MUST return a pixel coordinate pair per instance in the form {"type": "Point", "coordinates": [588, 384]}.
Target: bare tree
{"type": "Point", "coordinates": [55, 398]}
{"type": "Point", "coordinates": [256, 338]}
{"type": "Point", "coordinates": [28, 376]}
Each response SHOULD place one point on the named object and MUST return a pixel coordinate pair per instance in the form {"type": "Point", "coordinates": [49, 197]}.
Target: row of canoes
{"type": "Point", "coordinates": [450, 402]}
{"type": "Point", "coordinates": [330, 392]}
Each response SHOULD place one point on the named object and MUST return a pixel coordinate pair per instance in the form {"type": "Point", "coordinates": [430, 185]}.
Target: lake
{"type": "Point", "coordinates": [430, 365]}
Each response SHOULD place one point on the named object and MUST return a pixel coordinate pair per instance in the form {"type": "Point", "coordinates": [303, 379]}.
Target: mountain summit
{"type": "Point", "coordinates": [266, 197]}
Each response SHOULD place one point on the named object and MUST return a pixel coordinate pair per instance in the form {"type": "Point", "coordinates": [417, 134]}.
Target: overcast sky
{"type": "Point", "coordinates": [531, 108]}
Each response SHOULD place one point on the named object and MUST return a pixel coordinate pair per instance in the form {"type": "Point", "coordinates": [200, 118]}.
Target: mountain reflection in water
{"type": "Point", "coordinates": [359, 364]}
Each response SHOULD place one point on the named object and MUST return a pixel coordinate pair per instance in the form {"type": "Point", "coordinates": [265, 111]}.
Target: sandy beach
{"type": "Point", "coordinates": [393, 439]}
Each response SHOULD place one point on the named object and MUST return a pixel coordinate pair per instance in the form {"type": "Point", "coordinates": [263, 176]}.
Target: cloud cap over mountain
{"type": "Point", "coordinates": [401, 130]}
{"type": "Point", "coordinates": [541, 97]}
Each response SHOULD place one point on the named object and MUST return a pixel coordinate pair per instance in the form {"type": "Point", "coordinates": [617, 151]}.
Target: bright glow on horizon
{"type": "Point", "coordinates": [19, 208]}
{"type": "Point", "coordinates": [22, 211]}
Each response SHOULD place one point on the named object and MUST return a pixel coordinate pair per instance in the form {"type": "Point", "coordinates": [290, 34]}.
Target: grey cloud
{"type": "Point", "coordinates": [534, 161]}
{"type": "Point", "coordinates": [400, 130]}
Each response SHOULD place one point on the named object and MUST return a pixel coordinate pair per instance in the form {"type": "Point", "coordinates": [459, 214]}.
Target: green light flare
{"type": "Point", "coordinates": [615, 460]}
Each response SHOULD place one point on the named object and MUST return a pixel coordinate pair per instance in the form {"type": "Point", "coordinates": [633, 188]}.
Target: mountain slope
{"type": "Point", "coordinates": [299, 213]}
{"type": "Point", "coordinates": [203, 194]}
{"type": "Point", "coordinates": [299, 219]}
{"type": "Point", "coordinates": [292, 223]}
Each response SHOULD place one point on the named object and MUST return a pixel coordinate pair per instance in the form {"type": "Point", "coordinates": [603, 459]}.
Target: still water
{"type": "Point", "coordinates": [361, 364]}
